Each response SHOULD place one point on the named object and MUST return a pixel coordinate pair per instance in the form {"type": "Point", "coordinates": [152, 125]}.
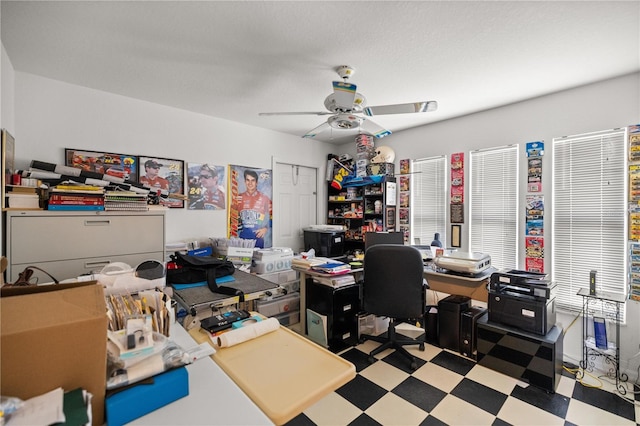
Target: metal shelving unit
{"type": "Point", "coordinates": [608, 305]}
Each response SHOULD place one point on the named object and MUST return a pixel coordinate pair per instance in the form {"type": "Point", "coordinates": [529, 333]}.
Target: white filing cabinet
{"type": "Point", "coordinates": [69, 244]}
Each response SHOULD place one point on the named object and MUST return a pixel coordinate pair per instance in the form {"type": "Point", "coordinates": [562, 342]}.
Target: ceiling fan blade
{"type": "Point", "coordinates": [374, 129]}
{"type": "Point", "coordinates": [344, 94]}
{"type": "Point", "coordinates": [316, 131]}
{"type": "Point", "coordinates": [296, 113]}
{"type": "Point", "coordinates": [424, 106]}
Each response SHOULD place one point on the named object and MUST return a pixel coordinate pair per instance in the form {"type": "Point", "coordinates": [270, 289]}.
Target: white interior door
{"type": "Point", "coordinates": [295, 203]}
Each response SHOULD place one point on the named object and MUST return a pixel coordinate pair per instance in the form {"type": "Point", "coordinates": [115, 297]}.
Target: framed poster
{"type": "Point", "coordinates": [391, 219]}
{"type": "Point", "coordinates": [456, 237]}
{"type": "Point", "coordinates": [456, 213]}
{"type": "Point", "coordinates": [250, 191]}
{"type": "Point", "coordinates": [206, 187]}
{"type": "Point", "coordinates": [391, 190]}
{"type": "Point", "coordinates": [107, 163]}
{"type": "Point", "coordinates": [8, 159]}
{"type": "Point", "coordinates": [165, 175]}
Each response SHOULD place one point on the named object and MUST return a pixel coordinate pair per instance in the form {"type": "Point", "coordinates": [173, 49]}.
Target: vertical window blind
{"type": "Point", "coordinates": [429, 199]}
{"type": "Point", "coordinates": [493, 205]}
{"type": "Point", "coordinates": [589, 214]}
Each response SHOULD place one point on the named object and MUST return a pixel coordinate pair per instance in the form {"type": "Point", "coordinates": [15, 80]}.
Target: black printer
{"type": "Point", "coordinates": [521, 299]}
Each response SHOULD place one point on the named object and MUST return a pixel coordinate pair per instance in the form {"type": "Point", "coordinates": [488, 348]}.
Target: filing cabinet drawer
{"type": "Point", "coordinates": [69, 244]}
{"type": "Point", "coordinates": [66, 269]}
{"type": "Point", "coordinates": [39, 239]}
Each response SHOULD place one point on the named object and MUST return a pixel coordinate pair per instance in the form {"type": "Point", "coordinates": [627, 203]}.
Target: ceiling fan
{"type": "Point", "coordinates": [346, 106]}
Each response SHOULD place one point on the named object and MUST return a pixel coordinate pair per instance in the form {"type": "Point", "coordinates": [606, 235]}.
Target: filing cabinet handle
{"type": "Point", "coordinates": [94, 265]}
{"type": "Point", "coordinates": [99, 222]}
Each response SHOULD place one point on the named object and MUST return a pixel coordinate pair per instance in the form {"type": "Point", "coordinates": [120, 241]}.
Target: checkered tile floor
{"type": "Point", "coordinates": [450, 389]}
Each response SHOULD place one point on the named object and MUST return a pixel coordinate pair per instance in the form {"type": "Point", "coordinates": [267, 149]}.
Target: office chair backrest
{"type": "Point", "coordinates": [375, 238]}
{"type": "Point", "coordinates": [393, 281]}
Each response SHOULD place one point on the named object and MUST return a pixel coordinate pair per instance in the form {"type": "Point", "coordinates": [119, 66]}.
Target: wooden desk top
{"type": "Point", "coordinates": [282, 372]}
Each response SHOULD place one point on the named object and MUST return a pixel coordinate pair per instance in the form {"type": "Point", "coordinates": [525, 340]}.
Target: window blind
{"type": "Point", "coordinates": [493, 205]}
{"type": "Point", "coordinates": [429, 199]}
{"type": "Point", "coordinates": [589, 233]}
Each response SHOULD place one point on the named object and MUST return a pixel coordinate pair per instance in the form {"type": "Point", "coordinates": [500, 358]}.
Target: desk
{"type": "Point", "coordinates": [304, 274]}
{"type": "Point", "coordinates": [473, 287]}
{"type": "Point", "coordinates": [197, 298]}
{"type": "Point", "coordinates": [282, 372]}
{"type": "Point", "coordinates": [214, 399]}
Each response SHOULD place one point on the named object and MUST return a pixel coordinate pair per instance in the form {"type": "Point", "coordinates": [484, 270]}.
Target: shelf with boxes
{"type": "Point", "coordinates": [362, 208]}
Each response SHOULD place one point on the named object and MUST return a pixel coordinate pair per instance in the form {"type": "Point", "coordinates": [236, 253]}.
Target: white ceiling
{"type": "Point", "coordinates": [234, 59]}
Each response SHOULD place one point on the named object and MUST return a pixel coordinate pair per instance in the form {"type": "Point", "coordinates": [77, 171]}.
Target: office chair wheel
{"type": "Point", "coordinates": [421, 347]}
{"type": "Point", "coordinates": [371, 359]}
{"type": "Point", "coordinates": [414, 365]}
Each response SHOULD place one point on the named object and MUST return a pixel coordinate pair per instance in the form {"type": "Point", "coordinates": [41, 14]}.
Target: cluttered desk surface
{"type": "Point", "coordinates": [251, 286]}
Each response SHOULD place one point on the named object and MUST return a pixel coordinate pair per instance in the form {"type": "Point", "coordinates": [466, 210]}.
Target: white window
{"type": "Point", "coordinates": [493, 205]}
{"type": "Point", "coordinates": [589, 175]}
{"type": "Point", "coordinates": [429, 199]}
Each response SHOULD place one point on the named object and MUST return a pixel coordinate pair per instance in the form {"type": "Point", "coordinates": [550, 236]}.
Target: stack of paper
{"type": "Point", "coordinates": [335, 281]}
{"type": "Point", "coordinates": [308, 263]}
{"type": "Point", "coordinates": [332, 267]}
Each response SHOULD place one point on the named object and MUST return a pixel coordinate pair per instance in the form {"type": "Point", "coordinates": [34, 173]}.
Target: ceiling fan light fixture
{"type": "Point", "coordinates": [345, 101]}
{"type": "Point", "coordinates": [344, 121]}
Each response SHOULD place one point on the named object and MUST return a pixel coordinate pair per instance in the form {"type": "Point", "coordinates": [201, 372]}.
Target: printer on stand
{"type": "Point", "coordinates": [521, 299]}
{"type": "Point", "coordinates": [519, 337]}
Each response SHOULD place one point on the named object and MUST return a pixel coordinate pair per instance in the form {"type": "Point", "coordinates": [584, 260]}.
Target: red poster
{"type": "Point", "coordinates": [457, 178]}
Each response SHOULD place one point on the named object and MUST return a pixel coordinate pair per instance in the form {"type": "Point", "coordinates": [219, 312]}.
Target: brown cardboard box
{"type": "Point", "coordinates": [475, 288]}
{"type": "Point", "coordinates": [54, 336]}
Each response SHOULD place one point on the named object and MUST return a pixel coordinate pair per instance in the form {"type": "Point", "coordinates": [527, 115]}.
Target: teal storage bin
{"type": "Point", "coordinates": [136, 401]}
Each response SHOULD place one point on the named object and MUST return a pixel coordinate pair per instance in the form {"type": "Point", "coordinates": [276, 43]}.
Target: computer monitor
{"type": "Point", "coordinates": [373, 238]}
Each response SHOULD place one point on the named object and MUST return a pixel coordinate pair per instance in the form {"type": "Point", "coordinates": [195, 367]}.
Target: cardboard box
{"type": "Point", "coordinates": [476, 289]}
{"type": "Point", "coordinates": [131, 403]}
{"type": "Point", "coordinates": [54, 336]}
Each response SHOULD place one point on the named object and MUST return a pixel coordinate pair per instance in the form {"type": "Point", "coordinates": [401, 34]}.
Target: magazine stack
{"type": "Point", "coordinates": [125, 201]}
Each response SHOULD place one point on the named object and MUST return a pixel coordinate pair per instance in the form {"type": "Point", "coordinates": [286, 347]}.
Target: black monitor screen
{"type": "Point", "coordinates": [373, 238]}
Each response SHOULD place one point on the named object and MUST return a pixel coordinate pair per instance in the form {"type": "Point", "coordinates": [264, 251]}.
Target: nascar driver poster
{"type": "Point", "coordinates": [250, 206]}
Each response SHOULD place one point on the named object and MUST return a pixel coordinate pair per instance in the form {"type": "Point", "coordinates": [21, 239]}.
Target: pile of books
{"type": "Point", "coordinates": [125, 201]}
{"type": "Point", "coordinates": [22, 197]}
{"type": "Point", "coordinates": [76, 197]}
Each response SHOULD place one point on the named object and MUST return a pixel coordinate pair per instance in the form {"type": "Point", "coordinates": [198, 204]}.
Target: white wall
{"type": "Point", "coordinates": [52, 115]}
{"type": "Point", "coordinates": [7, 83]}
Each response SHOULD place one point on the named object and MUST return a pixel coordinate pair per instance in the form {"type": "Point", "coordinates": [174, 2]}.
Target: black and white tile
{"type": "Point", "coordinates": [448, 389]}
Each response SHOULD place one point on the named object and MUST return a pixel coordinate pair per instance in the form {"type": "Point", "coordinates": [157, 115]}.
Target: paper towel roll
{"type": "Point", "coordinates": [248, 332]}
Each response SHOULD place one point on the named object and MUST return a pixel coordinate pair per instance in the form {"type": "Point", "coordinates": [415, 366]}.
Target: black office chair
{"type": "Point", "coordinates": [394, 287]}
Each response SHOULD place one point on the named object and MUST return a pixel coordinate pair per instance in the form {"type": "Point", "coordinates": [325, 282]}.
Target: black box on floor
{"type": "Point", "coordinates": [449, 311]}
{"type": "Point", "coordinates": [468, 338]}
{"type": "Point", "coordinates": [527, 356]}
